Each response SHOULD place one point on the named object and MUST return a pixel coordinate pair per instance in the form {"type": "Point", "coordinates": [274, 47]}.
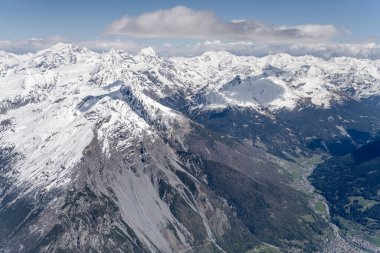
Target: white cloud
{"type": "Point", "coordinates": [328, 50]}
{"type": "Point", "coordinates": [29, 45]}
{"type": "Point", "coordinates": [33, 44]}
{"type": "Point", "coordinates": [241, 37]}
{"type": "Point", "coordinates": [102, 45]}
{"type": "Point", "coordinates": [183, 22]}
{"type": "Point", "coordinates": [323, 49]}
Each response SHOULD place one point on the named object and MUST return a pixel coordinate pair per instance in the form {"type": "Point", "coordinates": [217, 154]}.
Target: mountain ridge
{"type": "Point", "coordinates": [141, 137]}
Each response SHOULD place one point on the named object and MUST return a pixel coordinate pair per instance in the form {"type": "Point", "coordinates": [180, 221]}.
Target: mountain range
{"type": "Point", "coordinates": [113, 152]}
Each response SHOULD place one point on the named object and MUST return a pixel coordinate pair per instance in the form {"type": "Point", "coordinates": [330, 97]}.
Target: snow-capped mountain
{"type": "Point", "coordinates": [111, 152]}
{"type": "Point", "coordinates": [279, 81]}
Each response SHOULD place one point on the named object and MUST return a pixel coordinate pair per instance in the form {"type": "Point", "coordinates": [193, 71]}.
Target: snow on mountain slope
{"type": "Point", "coordinates": [50, 98]}
{"type": "Point", "coordinates": [298, 78]}
{"type": "Point", "coordinates": [56, 95]}
{"type": "Point", "coordinates": [66, 108]}
{"type": "Point", "coordinates": [55, 103]}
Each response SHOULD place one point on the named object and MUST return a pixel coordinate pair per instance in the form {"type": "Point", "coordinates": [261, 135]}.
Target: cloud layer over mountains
{"type": "Point", "coordinates": [183, 22]}
{"type": "Point", "coordinates": [182, 31]}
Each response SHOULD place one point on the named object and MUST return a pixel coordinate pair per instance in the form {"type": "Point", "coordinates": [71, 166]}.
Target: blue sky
{"type": "Point", "coordinates": [87, 20]}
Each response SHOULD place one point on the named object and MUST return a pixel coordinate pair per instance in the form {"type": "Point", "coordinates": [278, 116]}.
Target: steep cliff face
{"type": "Point", "coordinates": [119, 153]}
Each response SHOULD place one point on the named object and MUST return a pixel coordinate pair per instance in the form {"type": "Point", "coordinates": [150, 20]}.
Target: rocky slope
{"type": "Point", "coordinates": [119, 153]}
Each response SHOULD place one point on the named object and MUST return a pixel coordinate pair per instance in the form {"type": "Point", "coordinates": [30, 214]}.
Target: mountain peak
{"type": "Point", "coordinates": [114, 53]}
{"type": "Point", "coordinates": [64, 47]}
